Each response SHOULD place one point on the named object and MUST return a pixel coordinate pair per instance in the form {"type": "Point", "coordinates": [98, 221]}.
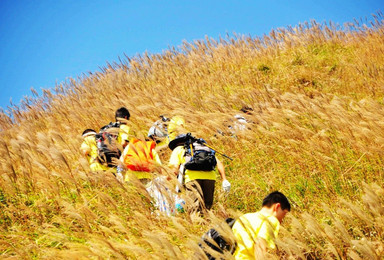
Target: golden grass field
{"type": "Point", "coordinates": [317, 91]}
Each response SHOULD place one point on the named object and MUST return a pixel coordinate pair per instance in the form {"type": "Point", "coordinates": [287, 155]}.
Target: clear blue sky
{"type": "Point", "coordinates": [45, 42]}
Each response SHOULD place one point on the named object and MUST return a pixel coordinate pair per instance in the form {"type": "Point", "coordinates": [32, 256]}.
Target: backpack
{"type": "Point", "coordinates": [198, 156]}
{"type": "Point", "coordinates": [216, 241]}
{"type": "Point", "coordinates": [107, 148]}
{"type": "Point", "coordinates": [139, 156]}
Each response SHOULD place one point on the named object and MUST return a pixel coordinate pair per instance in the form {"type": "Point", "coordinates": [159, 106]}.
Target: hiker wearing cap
{"type": "Point", "coordinates": [255, 233]}
{"type": "Point", "coordinates": [122, 116]}
{"type": "Point", "coordinates": [165, 130]}
{"type": "Point", "coordinates": [158, 132]}
{"type": "Point", "coordinates": [241, 121]}
{"type": "Point", "coordinates": [199, 181]}
{"type": "Point", "coordinates": [89, 150]}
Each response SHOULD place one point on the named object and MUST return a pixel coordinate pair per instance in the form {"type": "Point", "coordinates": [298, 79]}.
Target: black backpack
{"type": "Point", "coordinates": [216, 241]}
{"type": "Point", "coordinates": [107, 148]}
{"type": "Point", "coordinates": [198, 156]}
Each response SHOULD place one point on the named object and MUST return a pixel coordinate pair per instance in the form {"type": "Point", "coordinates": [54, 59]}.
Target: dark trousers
{"type": "Point", "coordinates": [200, 194]}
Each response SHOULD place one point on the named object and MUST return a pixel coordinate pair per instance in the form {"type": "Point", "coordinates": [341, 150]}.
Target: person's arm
{"type": "Point", "coordinates": [175, 169]}
{"type": "Point", "coordinates": [175, 160]}
{"type": "Point", "coordinates": [123, 137]}
{"type": "Point", "coordinates": [85, 149]}
{"type": "Point", "coordinates": [123, 155]}
{"type": "Point", "coordinates": [225, 183]}
{"type": "Point", "coordinates": [221, 169]}
{"type": "Point", "coordinates": [124, 143]}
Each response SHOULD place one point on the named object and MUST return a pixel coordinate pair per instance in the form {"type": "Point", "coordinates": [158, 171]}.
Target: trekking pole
{"type": "Point", "coordinates": [194, 139]}
{"type": "Point", "coordinates": [226, 156]}
{"type": "Point", "coordinates": [180, 178]}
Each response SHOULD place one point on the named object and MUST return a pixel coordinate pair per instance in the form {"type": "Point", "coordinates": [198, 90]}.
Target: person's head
{"type": "Point", "coordinates": [159, 130]}
{"type": "Point", "coordinates": [122, 113]}
{"type": "Point", "coordinates": [247, 110]}
{"type": "Point", "coordinates": [278, 203]}
{"type": "Point", "coordinates": [88, 132]}
{"type": "Point", "coordinates": [175, 126]}
{"type": "Point", "coordinates": [177, 120]}
{"type": "Point", "coordinates": [156, 134]}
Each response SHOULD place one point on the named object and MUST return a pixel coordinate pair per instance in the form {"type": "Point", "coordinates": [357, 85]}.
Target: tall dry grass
{"type": "Point", "coordinates": [316, 135]}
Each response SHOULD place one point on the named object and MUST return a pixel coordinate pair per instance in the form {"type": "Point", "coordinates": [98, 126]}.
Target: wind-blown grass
{"type": "Point", "coordinates": [316, 135]}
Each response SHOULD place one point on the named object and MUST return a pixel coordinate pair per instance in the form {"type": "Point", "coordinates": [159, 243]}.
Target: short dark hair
{"type": "Point", "coordinates": [122, 112]}
{"type": "Point", "coordinates": [246, 109]}
{"type": "Point", "coordinates": [277, 197]}
{"type": "Point", "coordinates": [88, 131]}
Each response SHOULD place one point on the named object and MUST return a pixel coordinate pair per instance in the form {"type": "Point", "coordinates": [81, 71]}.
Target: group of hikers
{"type": "Point", "coordinates": [191, 184]}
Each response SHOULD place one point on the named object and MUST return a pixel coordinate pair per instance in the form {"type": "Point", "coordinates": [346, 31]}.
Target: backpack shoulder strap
{"type": "Point", "coordinates": [151, 145]}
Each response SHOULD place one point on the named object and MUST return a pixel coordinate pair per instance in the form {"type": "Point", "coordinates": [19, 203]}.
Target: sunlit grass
{"type": "Point", "coordinates": [317, 95]}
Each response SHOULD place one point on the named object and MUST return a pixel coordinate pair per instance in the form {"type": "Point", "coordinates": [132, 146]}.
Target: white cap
{"type": "Point", "coordinates": [154, 131]}
{"type": "Point", "coordinates": [89, 133]}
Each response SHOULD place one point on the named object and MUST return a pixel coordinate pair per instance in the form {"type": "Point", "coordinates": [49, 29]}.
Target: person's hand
{"type": "Point", "coordinates": [119, 174]}
{"type": "Point", "coordinates": [226, 186]}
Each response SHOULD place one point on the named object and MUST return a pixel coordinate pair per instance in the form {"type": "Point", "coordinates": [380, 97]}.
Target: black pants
{"type": "Point", "coordinates": [200, 193]}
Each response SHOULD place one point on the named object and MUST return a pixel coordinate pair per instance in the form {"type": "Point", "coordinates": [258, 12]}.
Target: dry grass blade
{"type": "Point", "coordinates": [315, 134]}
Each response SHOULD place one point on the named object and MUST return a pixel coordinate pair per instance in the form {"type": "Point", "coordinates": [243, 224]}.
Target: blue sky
{"type": "Point", "coordinates": [46, 42]}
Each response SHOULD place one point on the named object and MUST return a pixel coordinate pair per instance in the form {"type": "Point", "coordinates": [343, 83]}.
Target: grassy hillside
{"type": "Point", "coordinates": [317, 136]}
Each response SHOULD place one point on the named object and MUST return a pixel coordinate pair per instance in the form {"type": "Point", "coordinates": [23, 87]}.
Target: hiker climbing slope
{"type": "Point", "coordinates": [140, 158]}
{"type": "Point", "coordinates": [199, 178]}
{"type": "Point", "coordinates": [158, 132]}
{"type": "Point", "coordinates": [166, 129]}
{"type": "Point", "coordinates": [252, 235]}
{"type": "Point", "coordinates": [89, 150]}
{"type": "Point", "coordinates": [255, 233]}
{"type": "Point", "coordinates": [141, 161]}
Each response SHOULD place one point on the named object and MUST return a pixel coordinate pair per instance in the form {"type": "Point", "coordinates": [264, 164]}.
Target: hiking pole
{"type": "Point", "coordinates": [205, 143]}
{"type": "Point", "coordinates": [226, 156]}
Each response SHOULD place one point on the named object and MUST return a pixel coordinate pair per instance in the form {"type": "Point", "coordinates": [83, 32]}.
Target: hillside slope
{"type": "Point", "coordinates": [316, 135]}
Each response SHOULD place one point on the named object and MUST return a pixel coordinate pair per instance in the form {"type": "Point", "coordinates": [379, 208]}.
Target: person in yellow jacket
{"type": "Point", "coordinates": [140, 158]}
{"type": "Point", "coordinates": [255, 233]}
{"type": "Point", "coordinates": [89, 150]}
{"type": "Point", "coordinates": [199, 185]}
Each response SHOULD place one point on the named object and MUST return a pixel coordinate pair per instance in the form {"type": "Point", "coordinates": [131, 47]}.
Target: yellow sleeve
{"type": "Point", "coordinates": [177, 156]}
{"type": "Point", "coordinates": [124, 153]}
{"type": "Point", "coordinates": [85, 147]}
{"type": "Point", "coordinates": [123, 134]}
{"type": "Point", "coordinates": [88, 146]}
